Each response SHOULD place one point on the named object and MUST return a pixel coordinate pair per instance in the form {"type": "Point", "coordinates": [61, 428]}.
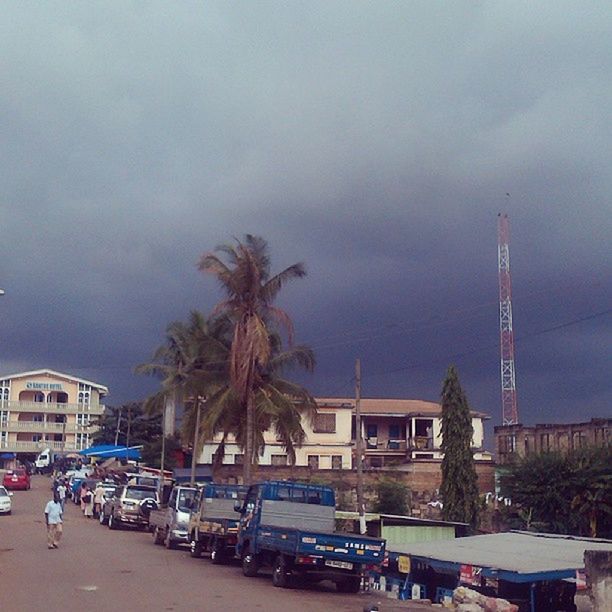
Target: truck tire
{"type": "Point", "coordinates": [158, 537]}
{"type": "Point", "coordinates": [195, 548]}
{"type": "Point", "coordinates": [349, 585]}
{"type": "Point", "coordinates": [250, 564]}
{"type": "Point", "coordinates": [280, 575]}
{"type": "Point", "coordinates": [217, 553]}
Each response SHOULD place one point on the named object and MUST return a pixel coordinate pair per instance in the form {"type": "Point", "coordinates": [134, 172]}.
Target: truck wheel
{"type": "Point", "coordinates": [195, 548]}
{"type": "Point", "coordinates": [158, 537]}
{"type": "Point", "coordinates": [280, 576]}
{"type": "Point", "coordinates": [217, 554]}
{"type": "Point", "coordinates": [250, 564]}
{"type": "Point", "coordinates": [349, 585]}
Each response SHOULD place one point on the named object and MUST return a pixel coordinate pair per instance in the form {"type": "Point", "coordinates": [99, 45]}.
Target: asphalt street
{"type": "Point", "coordinates": [99, 570]}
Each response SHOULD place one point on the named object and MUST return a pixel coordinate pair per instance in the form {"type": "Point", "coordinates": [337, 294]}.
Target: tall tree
{"type": "Point", "coordinates": [279, 403]}
{"type": "Point", "coordinates": [250, 293]}
{"type": "Point", "coordinates": [459, 489]}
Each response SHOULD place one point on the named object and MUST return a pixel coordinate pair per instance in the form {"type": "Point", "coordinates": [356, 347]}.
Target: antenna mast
{"type": "Point", "coordinates": [506, 333]}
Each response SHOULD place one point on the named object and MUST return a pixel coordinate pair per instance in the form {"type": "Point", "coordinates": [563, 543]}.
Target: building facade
{"type": "Point", "coordinates": [394, 432]}
{"type": "Point", "coordinates": [47, 409]}
{"type": "Point", "coordinates": [518, 441]}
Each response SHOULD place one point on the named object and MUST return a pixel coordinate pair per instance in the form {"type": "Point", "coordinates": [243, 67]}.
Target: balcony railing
{"type": "Point", "coordinates": [41, 427]}
{"type": "Point", "coordinates": [37, 447]}
{"type": "Point", "coordinates": [50, 408]}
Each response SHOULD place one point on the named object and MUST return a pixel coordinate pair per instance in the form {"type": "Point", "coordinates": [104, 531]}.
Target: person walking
{"type": "Point", "coordinates": [98, 499]}
{"type": "Point", "coordinates": [61, 493]}
{"type": "Point", "coordinates": [88, 502]}
{"type": "Point", "coordinates": [54, 520]}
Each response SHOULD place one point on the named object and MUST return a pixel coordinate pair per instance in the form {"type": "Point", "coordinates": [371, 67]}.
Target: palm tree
{"type": "Point", "coordinates": [250, 293]}
{"type": "Point", "coordinates": [191, 364]}
{"type": "Point", "coordinates": [279, 405]}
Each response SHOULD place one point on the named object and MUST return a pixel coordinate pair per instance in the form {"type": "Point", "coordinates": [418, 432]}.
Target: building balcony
{"type": "Point", "coordinates": [51, 408]}
{"type": "Point", "coordinates": [42, 427]}
{"type": "Point", "coordinates": [20, 446]}
{"type": "Point", "coordinates": [377, 446]}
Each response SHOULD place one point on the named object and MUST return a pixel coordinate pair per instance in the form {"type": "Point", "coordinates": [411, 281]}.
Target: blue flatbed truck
{"type": "Point", "coordinates": [290, 527]}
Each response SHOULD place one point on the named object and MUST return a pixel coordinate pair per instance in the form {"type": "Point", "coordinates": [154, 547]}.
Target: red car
{"type": "Point", "coordinates": [17, 479]}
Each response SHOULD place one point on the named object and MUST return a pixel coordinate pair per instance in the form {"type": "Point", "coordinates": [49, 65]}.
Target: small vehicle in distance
{"type": "Point", "coordinates": [131, 505]}
{"type": "Point", "coordinates": [5, 501]}
{"type": "Point", "coordinates": [17, 479]}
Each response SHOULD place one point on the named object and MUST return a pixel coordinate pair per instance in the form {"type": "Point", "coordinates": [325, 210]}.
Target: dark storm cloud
{"type": "Point", "coordinates": [374, 141]}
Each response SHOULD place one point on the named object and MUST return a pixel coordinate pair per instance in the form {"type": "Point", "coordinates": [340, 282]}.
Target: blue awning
{"type": "Point", "coordinates": [7, 456]}
{"type": "Point", "coordinates": [106, 451]}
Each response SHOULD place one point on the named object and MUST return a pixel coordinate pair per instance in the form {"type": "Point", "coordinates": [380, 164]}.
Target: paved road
{"type": "Point", "coordinates": [99, 570]}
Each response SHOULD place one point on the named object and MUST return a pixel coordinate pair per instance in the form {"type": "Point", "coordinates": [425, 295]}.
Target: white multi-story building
{"type": "Point", "coordinates": [47, 409]}
{"type": "Point", "coordinates": [394, 431]}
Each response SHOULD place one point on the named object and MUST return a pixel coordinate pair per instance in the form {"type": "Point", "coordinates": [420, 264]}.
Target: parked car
{"type": "Point", "coordinates": [5, 501]}
{"type": "Point", "coordinates": [17, 479]}
{"type": "Point", "coordinates": [131, 505]}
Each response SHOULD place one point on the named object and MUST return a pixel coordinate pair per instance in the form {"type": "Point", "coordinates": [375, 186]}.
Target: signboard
{"type": "Point", "coordinates": [470, 574]}
{"type": "Point", "coordinates": [43, 386]}
{"type": "Point", "coordinates": [403, 564]}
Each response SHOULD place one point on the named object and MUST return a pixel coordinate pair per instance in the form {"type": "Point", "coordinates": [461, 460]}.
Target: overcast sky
{"type": "Point", "coordinates": [374, 141]}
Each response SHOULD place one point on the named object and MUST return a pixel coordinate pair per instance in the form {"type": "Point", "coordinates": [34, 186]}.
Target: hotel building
{"type": "Point", "coordinates": [47, 409]}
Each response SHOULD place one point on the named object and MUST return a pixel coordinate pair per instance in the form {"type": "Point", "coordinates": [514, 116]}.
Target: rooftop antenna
{"type": "Point", "coordinates": [506, 333]}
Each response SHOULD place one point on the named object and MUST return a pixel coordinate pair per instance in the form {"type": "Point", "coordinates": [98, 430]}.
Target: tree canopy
{"type": "Point", "coordinates": [459, 489]}
{"type": "Point", "coordinates": [563, 493]}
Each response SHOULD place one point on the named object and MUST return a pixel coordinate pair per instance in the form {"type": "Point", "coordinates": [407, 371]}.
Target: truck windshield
{"type": "Point", "coordinates": [185, 500]}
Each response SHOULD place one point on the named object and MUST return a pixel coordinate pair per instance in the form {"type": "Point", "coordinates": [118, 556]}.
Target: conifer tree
{"type": "Point", "coordinates": [459, 489]}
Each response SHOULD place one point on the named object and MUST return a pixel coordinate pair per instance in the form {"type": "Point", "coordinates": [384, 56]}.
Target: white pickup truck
{"type": "Point", "coordinates": [170, 524]}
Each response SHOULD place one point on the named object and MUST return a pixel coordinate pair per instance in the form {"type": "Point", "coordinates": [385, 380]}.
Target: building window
{"type": "Point", "coordinates": [325, 423]}
{"type": "Point", "coordinates": [544, 442]}
{"type": "Point", "coordinates": [394, 432]}
{"type": "Point", "coordinates": [507, 444]}
{"type": "Point", "coordinates": [3, 418]}
{"type": "Point", "coordinates": [3, 439]}
{"type": "Point", "coordinates": [5, 389]}
{"type": "Point", "coordinates": [279, 459]}
{"type": "Point", "coordinates": [336, 462]}
{"type": "Point", "coordinates": [579, 439]}
{"type": "Point", "coordinates": [313, 462]}
{"type": "Point", "coordinates": [82, 420]}
{"type": "Point", "coordinates": [36, 437]}
{"type": "Point", "coordinates": [39, 397]}
{"type": "Point", "coordinates": [239, 459]}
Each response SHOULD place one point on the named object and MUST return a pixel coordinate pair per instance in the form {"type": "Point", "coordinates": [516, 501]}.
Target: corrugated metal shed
{"type": "Point", "coordinates": [527, 555]}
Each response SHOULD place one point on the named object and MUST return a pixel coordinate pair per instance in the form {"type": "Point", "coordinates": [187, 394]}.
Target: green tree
{"type": "Point", "coordinates": [459, 488]}
{"type": "Point", "coordinates": [392, 498]}
{"type": "Point", "coordinates": [151, 452]}
{"type": "Point", "coordinates": [128, 420]}
{"type": "Point", "coordinates": [250, 293]}
{"type": "Point", "coordinates": [279, 404]}
{"type": "Point", "coordinates": [563, 493]}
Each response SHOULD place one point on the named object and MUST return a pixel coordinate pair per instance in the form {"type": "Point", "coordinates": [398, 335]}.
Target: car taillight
{"type": "Point", "coordinates": [306, 560]}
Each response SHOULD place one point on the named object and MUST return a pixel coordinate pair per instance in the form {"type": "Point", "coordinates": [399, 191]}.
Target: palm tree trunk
{"type": "Point", "coordinates": [247, 468]}
{"type": "Point", "coordinates": [196, 439]}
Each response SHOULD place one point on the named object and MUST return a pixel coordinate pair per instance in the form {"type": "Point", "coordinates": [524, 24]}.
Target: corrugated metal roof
{"type": "Point", "coordinates": [520, 552]}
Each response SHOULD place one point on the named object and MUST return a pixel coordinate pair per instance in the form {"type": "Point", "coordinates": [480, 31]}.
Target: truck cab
{"type": "Point", "coordinates": [170, 524]}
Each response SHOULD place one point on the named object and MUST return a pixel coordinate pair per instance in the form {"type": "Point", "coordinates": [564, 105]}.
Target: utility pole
{"type": "Point", "coordinates": [163, 454]}
{"type": "Point", "coordinates": [129, 427]}
{"type": "Point", "coordinates": [359, 448]}
{"type": "Point", "coordinates": [117, 431]}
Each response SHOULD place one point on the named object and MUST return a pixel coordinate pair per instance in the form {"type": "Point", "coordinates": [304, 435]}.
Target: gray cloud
{"type": "Point", "coordinates": [376, 142]}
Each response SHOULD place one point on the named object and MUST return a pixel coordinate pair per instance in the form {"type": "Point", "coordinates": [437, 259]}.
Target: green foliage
{"type": "Point", "coordinates": [459, 489]}
{"type": "Point", "coordinates": [392, 498]}
{"type": "Point", "coordinates": [559, 493]}
{"type": "Point", "coordinates": [131, 420]}
{"type": "Point", "coordinates": [151, 452]}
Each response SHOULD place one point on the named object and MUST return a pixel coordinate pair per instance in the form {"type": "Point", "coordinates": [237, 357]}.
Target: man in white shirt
{"type": "Point", "coordinates": [53, 519]}
{"type": "Point", "coordinates": [61, 492]}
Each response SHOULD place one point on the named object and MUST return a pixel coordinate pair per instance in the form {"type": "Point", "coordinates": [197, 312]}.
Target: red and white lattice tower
{"type": "Point", "coordinates": [508, 379]}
